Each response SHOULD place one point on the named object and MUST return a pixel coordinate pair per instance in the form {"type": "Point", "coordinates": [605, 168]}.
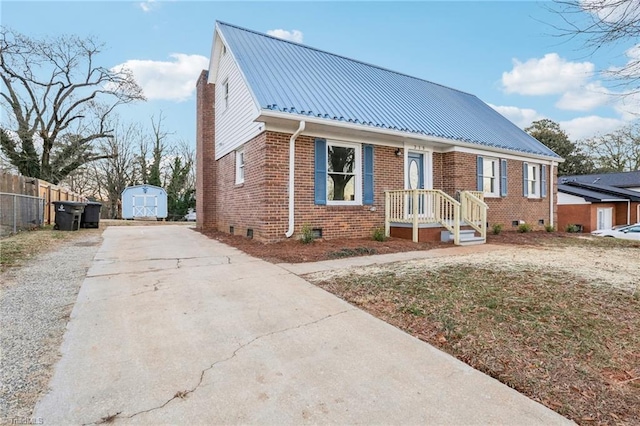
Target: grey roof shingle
{"type": "Point", "coordinates": [296, 79]}
{"type": "Point", "coordinates": [621, 179]}
{"type": "Point", "coordinates": [588, 194]}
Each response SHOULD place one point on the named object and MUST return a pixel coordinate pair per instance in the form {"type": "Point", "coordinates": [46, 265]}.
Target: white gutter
{"type": "Point", "coordinates": [292, 169]}
{"type": "Point", "coordinates": [551, 194]}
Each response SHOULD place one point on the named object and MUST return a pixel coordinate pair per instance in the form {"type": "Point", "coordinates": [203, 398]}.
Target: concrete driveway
{"type": "Point", "coordinates": [171, 327]}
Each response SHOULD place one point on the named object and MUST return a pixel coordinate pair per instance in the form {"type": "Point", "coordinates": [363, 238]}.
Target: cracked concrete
{"type": "Point", "coordinates": [227, 339]}
{"type": "Point", "coordinates": [183, 394]}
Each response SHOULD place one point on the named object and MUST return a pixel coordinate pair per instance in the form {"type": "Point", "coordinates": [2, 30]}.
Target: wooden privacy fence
{"type": "Point", "coordinates": [32, 187]}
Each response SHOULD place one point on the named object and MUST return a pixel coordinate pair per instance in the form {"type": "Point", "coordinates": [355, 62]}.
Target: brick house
{"type": "Point", "coordinates": [290, 136]}
{"type": "Point", "coordinates": [599, 201]}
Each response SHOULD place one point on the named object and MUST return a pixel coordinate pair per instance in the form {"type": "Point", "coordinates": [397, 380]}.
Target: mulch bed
{"type": "Point", "coordinates": [294, 251]}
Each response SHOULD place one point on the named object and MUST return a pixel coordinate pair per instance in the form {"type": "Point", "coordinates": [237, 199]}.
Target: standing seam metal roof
{"type": "Point", "coordinates": [296, 79]}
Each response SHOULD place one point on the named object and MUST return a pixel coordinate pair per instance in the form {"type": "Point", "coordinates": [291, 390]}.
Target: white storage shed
{"type": "Point", "coordinates": [144, 201]}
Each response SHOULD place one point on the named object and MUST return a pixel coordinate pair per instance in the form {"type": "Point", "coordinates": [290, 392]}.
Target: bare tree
{"type": "Point", "coordinates": [605, 23]}
{"type": "Point", "coordinates": [58, 100]}
{"type": "Point", "coordinates": [618, 151]}
{"type": "Point", "coordinates": [159, 146]}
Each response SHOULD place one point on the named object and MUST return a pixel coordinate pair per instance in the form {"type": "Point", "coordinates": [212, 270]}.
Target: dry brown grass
{"type": "Point", "coordinates": [569, 344]}
{"type": "Point", "coordinates": [16, 250]}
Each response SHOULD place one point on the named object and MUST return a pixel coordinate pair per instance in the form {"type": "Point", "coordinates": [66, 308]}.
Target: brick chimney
{"type": "Point", "coordinates": [205, 154]}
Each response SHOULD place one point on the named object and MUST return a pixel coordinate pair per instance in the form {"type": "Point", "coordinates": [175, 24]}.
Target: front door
{"type": "Point", "coordinates": [415, 180]}
{"type": "Point", "coordinates": [415, 170]}
{"type": "Point", "coordinates": [605, 217]}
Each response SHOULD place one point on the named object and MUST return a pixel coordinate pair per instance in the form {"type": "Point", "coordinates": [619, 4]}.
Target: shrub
{"type": "Point", "coordinates": [379, 234]}
{"type": "Point", "coordinates": [549, 228]}
{"type": "Point", "coordinates": [307, 234]}
{"type": "Point", "coordinates": [496, 228]}
{"type": "Point", "coordinates": [572, 228]}
{"type": "Point", "coordinates": [524, 227]}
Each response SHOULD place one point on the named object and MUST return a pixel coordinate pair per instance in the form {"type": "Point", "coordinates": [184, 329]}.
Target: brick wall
{"type": "Point", "coordinates": [261, 202]}
{"type": "Point", "coordinates": [344, 221]}
{"type": "Point", "coordinates": [575, 214]}
{"type": "Point", "coordinates": [459, 173]}
{"type": "Point", "coordinates": [620, 213]}
{"type": "Point", "coordinates": [206, 188]}
{"type": "Point", "coordinates": [241, 206]}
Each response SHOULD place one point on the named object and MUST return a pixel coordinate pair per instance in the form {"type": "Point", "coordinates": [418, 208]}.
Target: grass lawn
{"type": "Point", "coordinates": [561, 340]}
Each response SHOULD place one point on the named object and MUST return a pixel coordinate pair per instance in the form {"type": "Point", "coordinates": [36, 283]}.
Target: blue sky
{"type": "Point", "coordinates": [506, 53]}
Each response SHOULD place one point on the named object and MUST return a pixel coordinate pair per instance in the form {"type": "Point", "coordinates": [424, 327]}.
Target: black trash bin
{"type": "Point", "coordinates": [91, 215]}
{"type": "Point", "coordinates": [68, 215]}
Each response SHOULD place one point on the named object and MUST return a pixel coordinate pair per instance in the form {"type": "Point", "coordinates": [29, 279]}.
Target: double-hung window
{"type": "Point", "coordinates": [343, 173]}
{"type": "Point", "coordinates": [225, 95]}
{"type": "Point", "coordinates": [534, 180]}
{"type": "Point", "coordinates": [489, 176]}
{"type": "Point", "coordinates": [240, 166]}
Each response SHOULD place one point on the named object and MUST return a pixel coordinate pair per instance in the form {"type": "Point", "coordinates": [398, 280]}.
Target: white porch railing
{"type": "Point", "coordinates": [433, 206]}
{"type": "Point", "coordinates": [422, 206]}
{"type": "Point", "coordinates": [473, 210]}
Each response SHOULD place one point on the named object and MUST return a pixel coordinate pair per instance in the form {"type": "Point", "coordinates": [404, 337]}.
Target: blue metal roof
{"type": "Point", "coordinates": [296, 79]}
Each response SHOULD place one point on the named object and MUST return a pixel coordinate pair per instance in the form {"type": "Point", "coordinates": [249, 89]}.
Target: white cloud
{"type": "Point", "coordinates": [548, 75]}
{"type": "Point", "coordinates": [521, 117]}
{"type": "Point", "coordinates": [146, 6]}
{"type": "Point", "coordinates": [293, 35]}
{"type": "Point", "coordinates": [628, 106]}
{"type": "Point", "coordinates": [631, 69]}
{"type": "Point", "coordinates": [613, 11]}
{"type": "Point", "coordinates": [170, 80]}
{"type": "Point", "coordinates": [586, 98]}
{"type": "Point", "coordinates": [590, 126]}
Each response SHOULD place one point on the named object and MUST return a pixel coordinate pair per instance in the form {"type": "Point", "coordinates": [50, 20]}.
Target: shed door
{"type": "Point", "coordinates": [145, 205]}
{"type": "Point", "coordinates": [605, 218]}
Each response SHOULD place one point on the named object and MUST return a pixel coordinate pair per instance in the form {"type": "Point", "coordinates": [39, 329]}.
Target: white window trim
{"type": "Point", "coordinates": [357, 168]}
{"type": "Point", "coordinates": [240, 166]}
{"type": "Point", "coordinates": [537, 168]}
{"type": "Point", "coordinates": [225, 95]}
{"type": "Point", "coordinates": [496, 178]}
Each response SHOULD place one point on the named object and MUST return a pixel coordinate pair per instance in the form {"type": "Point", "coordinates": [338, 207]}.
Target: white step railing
{"type": "Point", "coordinates": [433, 206]}
{"type": "Point", "coordinates": [473, 211]}
{"type": "Point", "coordinates": [422, 206]}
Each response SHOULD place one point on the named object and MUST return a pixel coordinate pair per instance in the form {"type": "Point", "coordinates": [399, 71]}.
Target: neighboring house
{"type": "Point", "coordinates": [144, 202]}
{"type": "Point", "coordinates": [599, 201]}
{"type": "Point", "coordinates": [290, 136]}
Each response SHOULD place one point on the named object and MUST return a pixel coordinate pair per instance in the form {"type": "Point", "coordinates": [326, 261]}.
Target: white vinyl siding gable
{"type": "Point", "coordinates": [236, 111]}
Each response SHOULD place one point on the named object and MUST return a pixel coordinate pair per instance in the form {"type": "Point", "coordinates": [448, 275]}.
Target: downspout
{"type": "Point", "coordinates": [292, 168]}
{"type": "Point", "coordinates": [629, 211]}
{"type": "Point", "coordinates": [551, 195]}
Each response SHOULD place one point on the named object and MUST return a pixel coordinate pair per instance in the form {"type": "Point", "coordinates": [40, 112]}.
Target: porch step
{"type": "Point", "coordinates": [467, 237]}
{"type": "Point", "coordinates": [471, 241]}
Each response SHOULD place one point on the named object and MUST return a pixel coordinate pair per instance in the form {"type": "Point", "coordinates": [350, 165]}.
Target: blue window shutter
{"type": "Point", "coordinates": [321, 172]}
{"type": "Point", "coordinates": [503, 178]}
{"type": "Point", "coordinates": [543, 180]}
{"type": "Point", "coordinates": [368, 174]}
{"type": "Point", "coordinates": [479, 172]}
{"type": "Point", "coordinates": [525, 187]}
